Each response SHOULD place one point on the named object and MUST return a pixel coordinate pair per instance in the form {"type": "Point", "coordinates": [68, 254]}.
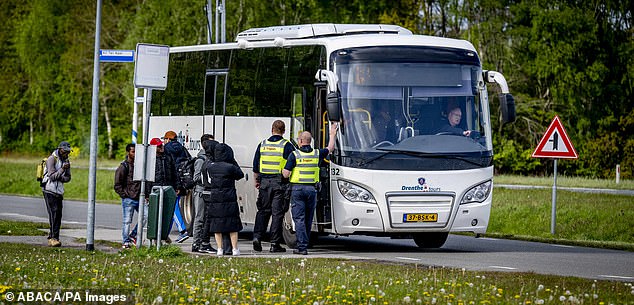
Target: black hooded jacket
{"type": "Point", "coordinates": [219, 176]}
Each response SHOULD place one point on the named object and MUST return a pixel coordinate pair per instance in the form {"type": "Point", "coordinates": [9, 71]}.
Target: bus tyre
{"type": "Point", "coordinates": [187, 209]}
{"type": "Point", "coordinates": [288, 232]}
{"type": "Point", "coordinates": [430, 239]}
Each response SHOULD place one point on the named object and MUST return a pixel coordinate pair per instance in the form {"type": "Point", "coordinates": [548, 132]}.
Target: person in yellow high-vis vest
{"type": "Point", "coordinates": [303, 169]}
{"type": "Point", "coordinates": [268, 162]}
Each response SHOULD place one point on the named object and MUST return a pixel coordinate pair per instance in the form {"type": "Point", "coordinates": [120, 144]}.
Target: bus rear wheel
{"type": "Point", "coordinates": [430, 239]}
{"type": "Point", "coordinates": [186, 206]}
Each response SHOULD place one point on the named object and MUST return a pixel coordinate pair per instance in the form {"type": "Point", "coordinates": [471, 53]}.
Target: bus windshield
{"type": "Point", "coordinates": [411, 104]}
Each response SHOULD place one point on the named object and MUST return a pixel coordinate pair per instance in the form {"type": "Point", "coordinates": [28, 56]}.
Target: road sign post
{"type": "Point", "coordinates": [555, 144]}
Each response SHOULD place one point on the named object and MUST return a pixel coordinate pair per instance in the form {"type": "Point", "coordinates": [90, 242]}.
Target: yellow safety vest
{"type": "Point", "coordinates": [306, 170]}
{"type": "Point", "coordinates": [272, 157]}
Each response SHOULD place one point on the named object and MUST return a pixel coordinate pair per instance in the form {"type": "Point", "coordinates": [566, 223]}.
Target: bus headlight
{"type": "Point", "coordinates": [477, 193]}
{"type": "Point", "coordinates": [354, 192]}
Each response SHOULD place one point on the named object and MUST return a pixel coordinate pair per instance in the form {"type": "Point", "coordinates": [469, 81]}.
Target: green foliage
{"type": "Point", "coordinates": [570, 58]}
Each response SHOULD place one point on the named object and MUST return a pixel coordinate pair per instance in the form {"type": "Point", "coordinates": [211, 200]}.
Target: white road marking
{"type": "Point", "coordinates": [407, 258]}
{"type": "Point", "coordinates": [618, 277]}
{"type": "Point", "coordinates": [562, 246]}
{"type": "Point", "coordinates": [503, 267]}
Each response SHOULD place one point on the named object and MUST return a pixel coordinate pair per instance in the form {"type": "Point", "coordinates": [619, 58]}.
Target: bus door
{"type": "Point", "coordinates": [215, 101]}
{"type": "Point", "coordinates": [323, 210]}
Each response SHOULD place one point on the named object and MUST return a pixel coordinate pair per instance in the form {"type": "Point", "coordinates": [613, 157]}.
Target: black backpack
{"type": "Point", "coordinates": [185, 172]}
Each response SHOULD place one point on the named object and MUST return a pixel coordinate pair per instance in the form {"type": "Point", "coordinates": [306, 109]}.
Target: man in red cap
{"type": "Point", "coordinates": [165, 168]}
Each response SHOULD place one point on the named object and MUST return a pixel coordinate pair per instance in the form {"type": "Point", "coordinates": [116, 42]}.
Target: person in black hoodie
{"type": "Point", "coordinates": [223, 214]}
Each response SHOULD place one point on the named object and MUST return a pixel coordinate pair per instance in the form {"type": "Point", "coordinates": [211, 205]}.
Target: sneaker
{"type": "Point", "coordinates": [220, 252]}
{"type": "Point", "coordinates": [182, 237]}
{"type": "Point", "coordinates": [302, 252]}
{"type": "Point", "coordinates": [53, 242]}
{"type": "Point", "coordinates": [168, 240]}
{"type": "Point", "coordinates": [257, 246]}
{"type": "Point", "coordinates": [235, 252]}
{"type": "Point", "coordinates": [207, 249]}
{"type": "Point", "coordinates": [50, 242]}
{"type": "Point", "coordinates": [126, 246]}
{"type": "Point", "coordinates": [276, 248]}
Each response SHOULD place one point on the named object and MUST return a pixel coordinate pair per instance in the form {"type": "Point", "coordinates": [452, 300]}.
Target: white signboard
{"type": "Point", "coordinates": [150, 67]}
{"type": "Point", "coordinates": [138, 162]}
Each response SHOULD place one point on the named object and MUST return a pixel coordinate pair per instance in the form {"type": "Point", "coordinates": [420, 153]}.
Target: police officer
{"type": "Point", "coordinates": [303, 169]}
{"type": "Point", "coordinates": [268, 162]}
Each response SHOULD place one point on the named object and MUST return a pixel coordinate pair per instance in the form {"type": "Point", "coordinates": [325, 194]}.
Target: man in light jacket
{"type": "Point", "coordinates": [56, 174]}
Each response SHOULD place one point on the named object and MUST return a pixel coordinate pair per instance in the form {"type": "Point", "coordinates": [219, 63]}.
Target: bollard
{"type": "Point", "coordinates": [618, 173]}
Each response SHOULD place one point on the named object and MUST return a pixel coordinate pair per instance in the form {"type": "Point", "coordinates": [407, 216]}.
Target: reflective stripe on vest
{"type": "Point", "coordinates": [272, 157]}
{"type": "Point", "coordinates": [306, 168]}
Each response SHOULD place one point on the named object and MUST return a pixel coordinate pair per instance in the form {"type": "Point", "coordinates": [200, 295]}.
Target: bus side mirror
{"type": "Point", "coordinates": [333, 105]}
{"type": "Point", "coordinates": [507, 105]}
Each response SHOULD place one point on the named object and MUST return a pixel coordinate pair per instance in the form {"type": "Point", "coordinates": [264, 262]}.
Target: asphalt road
{"type": "Point", "coordinates": [458, 252]}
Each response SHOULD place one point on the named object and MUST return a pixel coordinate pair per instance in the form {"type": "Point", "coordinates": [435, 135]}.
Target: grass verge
{"type": "Point", "coordinates": [16, 228]}
{"type": "Point", "coordinates": [227, 280]}
{"type": "Point", "coordinates": [597, 220]}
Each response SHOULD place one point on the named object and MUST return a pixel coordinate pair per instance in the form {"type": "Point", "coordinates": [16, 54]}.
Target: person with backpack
{"type": "Point", "coordinates": [129, 191]}
{"type": "Point", "coordinates": [201, 235]}
{"type": "Point", "coordinates": [181, 157]}
{"type": "Point", "coordinates": [56, 173]}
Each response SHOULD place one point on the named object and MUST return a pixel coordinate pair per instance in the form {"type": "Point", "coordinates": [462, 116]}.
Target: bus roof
{"type": "Point", "coordinates": [332, 36]}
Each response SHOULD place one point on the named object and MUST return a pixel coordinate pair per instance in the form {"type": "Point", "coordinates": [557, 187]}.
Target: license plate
{"type": "Point", "coordinates": [431, 217]}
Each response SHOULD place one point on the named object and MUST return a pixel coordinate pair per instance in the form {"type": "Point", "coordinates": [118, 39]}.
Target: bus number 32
{"type": "Point", "coordinates": [334, 171]}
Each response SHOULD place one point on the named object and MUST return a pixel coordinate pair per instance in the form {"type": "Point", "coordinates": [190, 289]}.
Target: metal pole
{"type": "Point", "coordinates": [223, 22]}
{"type": "Point", "coordinates": [553, 212]}
{"type": "Point", "coordinates": [94, 149]}
{"type": "Point", "coordinates": [208, 10]}
{"type": "Point", "coordinates": [146, 127]}
{"type": "Point", "coordinates": [217, 22]}
{"type": "Point", "coordinates": [135, 115]}
{"type": "Point", "coordinates": [618, 173]}
{"type": "Point", "coordinates": [160, 219]}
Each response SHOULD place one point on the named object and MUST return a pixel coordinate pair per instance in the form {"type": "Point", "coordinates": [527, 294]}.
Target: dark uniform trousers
{"type": "Point", "coordinates": [271, 204]}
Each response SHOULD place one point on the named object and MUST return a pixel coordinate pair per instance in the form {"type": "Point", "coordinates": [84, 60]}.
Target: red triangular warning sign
{"type": "Point", "coordinates": [555, 143]}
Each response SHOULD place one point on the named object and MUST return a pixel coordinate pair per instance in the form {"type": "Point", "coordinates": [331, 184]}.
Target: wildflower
{"type": "Point", "coordinates": [160, 261]}
{"type": "Point", "coordinates": [540, 287]}
{"type": "Point", "coordinates": [406, 299]}
{"type": "Point", "coordinates": [158, 300]}
{"type": "Point", "coordinates": [562, 298]}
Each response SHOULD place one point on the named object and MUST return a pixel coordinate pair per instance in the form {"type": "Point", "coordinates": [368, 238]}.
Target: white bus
{"type": "Point", "coordinates": [396, 171]}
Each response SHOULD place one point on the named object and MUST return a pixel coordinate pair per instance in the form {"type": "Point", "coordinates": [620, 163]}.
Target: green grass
{"type": "Point", "coordinates": [18, 177]}
{"type": "Point", "coordinates": [16, 228]}
{"type": "Point", "coordinates": [599, 220]}
{"type": "Point", "coordinates": [242, 280]}
{"type": "Point", "coordinates": [566, 182]}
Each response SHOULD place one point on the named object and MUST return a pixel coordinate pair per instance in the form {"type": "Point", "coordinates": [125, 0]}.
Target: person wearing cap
{"type": "Point", "coordinates": [178, 153]}
{"type": "Point", "coordinates": [56, 174]}
{"type": "Point", "coordinates": [164, 170]}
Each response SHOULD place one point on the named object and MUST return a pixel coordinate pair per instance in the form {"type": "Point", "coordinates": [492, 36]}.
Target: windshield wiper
{"type": "Point", "coordinates": [417, 154]}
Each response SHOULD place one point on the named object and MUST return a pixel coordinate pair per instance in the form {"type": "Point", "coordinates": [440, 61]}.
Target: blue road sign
{"type": "Point", "coordinates": [116, 55]}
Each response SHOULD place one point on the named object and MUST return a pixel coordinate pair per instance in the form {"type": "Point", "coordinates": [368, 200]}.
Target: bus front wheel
{"type": "Point", "coordinates": [430, 239]}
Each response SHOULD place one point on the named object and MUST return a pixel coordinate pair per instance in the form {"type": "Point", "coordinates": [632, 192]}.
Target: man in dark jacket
{"type": "Point", "coordinates": [164, 173]}
{"type": "Point", "coordinates": [178, 154]}
{"type": "Point", "coordinates": [129, 191]}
